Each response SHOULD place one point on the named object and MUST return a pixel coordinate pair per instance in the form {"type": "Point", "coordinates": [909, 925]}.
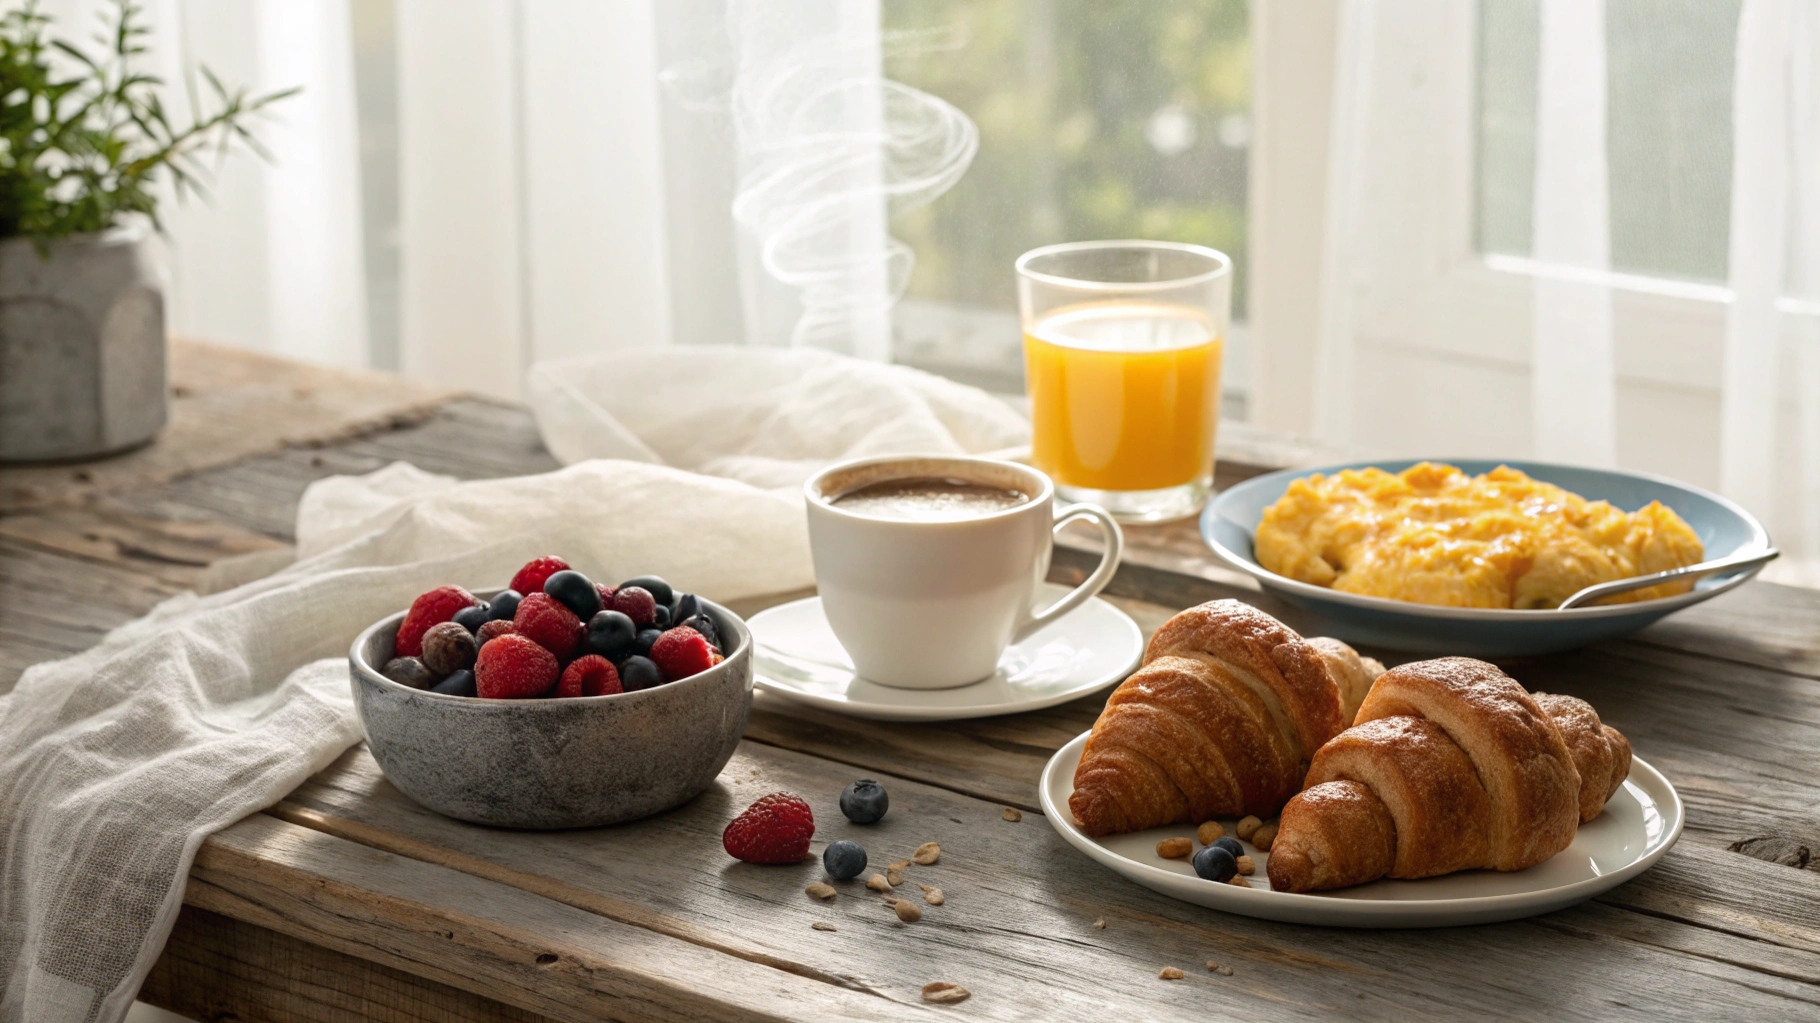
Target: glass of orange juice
{"type": "Point", "coordinates": [1122, 347]}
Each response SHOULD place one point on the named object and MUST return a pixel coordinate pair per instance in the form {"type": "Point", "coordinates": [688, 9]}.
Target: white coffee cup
{"type": "Point", "coordinates": [933, 604]}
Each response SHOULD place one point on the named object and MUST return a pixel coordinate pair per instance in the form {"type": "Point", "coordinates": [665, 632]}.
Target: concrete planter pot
{"type": "Point", "coordinates": [82, 347]}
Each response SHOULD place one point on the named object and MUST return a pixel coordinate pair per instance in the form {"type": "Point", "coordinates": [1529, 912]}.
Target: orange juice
{"type": "Point", "coordinates": [1123, 395]}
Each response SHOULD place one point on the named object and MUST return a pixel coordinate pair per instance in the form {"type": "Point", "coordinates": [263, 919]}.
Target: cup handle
{"type": "Point", "coordinates": [1109, 563]}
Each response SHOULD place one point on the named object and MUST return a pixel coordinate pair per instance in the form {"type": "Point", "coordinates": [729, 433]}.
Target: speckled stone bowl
{"type": "Point", "coordinates": [554, 763]}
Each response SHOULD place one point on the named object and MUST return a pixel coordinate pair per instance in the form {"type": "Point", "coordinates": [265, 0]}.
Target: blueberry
{"type": "Point", "coordinates": [505, 605]}
{"type": "Point", "coordinates": [640, 673]}
{"type": "Point", "coordinates": [843, 860]}
{"type": "Point", "coordinates": [864, 801]}
{"type": "Point", "coordinates": [646, 637]}
{"type": "Point", "coordinates": [472, 618]}
{"type": "Point", "coordinates": [709, 631]}
{"type": "Point", "coordinates": [1230, 844]}
{"type": "Point", "coordinates": [459, 683]}
{"type": "Point", "coordinates": [658, 589]}
{"type": "Point", "coordinates": [662, 621]}
{"type": "Point", "coordinates": [1215, 864]}
{"type": "Point", "coordinates": [612, 635]}
{"type": "Point", "coordinates": [575, 592]}
{"type": "Point", "coordinates": [687, 606]}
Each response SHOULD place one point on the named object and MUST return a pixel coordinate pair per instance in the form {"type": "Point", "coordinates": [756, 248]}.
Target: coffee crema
{"type": "Point", "coordinates": [926, 499]}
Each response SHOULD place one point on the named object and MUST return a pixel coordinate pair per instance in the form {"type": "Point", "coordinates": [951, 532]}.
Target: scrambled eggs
{"type": "Point", "coordinates": [1433, 535]}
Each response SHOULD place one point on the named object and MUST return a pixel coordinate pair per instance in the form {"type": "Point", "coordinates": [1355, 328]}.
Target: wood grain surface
{"type": "Point", "coordinates": [349, 902]}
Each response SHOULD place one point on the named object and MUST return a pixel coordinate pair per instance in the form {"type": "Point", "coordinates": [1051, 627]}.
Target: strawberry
{"type": "Point", "coordinates": [530, 579]}
{"type": "Point", "coordinates": [592, 675]}
{"type": "Point", "coordinates": [682, 652]}
{"type": "Point", "coordinates": [512, 667]}
{"type": "Point", "coordinates": [542, 618]}
{"type": "Point", "coordinates": [776, 829]}
{"type": "Point", "coordinates": [432, 608]}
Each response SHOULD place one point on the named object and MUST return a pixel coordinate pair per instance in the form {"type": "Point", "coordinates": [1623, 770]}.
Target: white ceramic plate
{"type": "Point", "coordinates": [1641, 821]}
{"type": "Point", "coordinates": [798, 658]}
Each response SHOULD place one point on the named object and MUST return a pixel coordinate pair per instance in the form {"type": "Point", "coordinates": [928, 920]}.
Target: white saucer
{"type": "Point", "coordinates": [798, 658]}
{"type": "Point", "coordinates": [1641, 821]}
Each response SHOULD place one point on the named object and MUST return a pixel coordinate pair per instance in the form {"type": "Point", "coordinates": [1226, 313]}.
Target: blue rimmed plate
{"type": "Point", "coordinates": [1726, 529]}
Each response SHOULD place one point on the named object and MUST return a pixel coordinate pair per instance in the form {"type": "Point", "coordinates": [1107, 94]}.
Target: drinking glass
{"type": "Point", "coordinates": [1122, 343]}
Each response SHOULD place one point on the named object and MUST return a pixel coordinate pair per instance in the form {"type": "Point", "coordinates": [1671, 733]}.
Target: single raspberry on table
{"type": "Point", "coordinates": [512, 667]}
{"type": "Point", "coordinates": [492, 630]}
{"type": "Point", "coordinates": [432, 608]}
{"type": "Point", "coordinates": [592, 675]}
{"type": "Point", "coordinates": [636, 603]}
{"type": "Point", "coordinates": [776, 829]}
{"type": "Point", "coordinates": [530, 579]}
{"type": "Point", "coordinates": [682, 652]}
{"type": "Point", "coordinates": [545, 620]}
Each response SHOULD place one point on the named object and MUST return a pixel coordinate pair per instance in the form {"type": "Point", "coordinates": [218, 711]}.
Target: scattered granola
{"type": "Point", "coordinates": [932, 895]}
{"type": "Point", "coordinates": [1247, 865]}
{"type": "Point", "coordinates": [1169, 973]}
{"type": "Point", "coordinates": [1238, 880]}
{"type": "Point", "coordinates": [878, 883]}
{"type": "Point", "coordinates": [1100, 924]}
{"type": "Point", "coordinates": [926, 854]}
{"type": "Point", "coordinates": [1248, 827]}
{"type": "Point", "coordinates": [1012, 815]}
{"type": "Point", "coordinates": [823, 925]}
{"type": "Point", "coordinates": [907, 911]}
{"type": "Point", "coordinates": [894, 876]}
{"type": "Point", "coordinates": [944, 993]}
{"type": "Point", "coordinates": [1213, 967]}
{"type": "Point", "coordinates": [1208, 831]}
{"type": "Point", "coordinates": [1174, 848]}
{"type": "Point", "coordinates": [820, 890]}
{"type": "Point", "coordinates": [1264, 836]}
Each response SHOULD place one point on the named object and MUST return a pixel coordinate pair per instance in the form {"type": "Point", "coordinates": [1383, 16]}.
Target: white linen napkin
{"type": "Point", "coordinates": [116, 764]}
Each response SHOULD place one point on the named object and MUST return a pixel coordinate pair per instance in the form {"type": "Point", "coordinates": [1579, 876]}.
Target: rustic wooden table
{"type": "Point", "coordinates": [348, 902]}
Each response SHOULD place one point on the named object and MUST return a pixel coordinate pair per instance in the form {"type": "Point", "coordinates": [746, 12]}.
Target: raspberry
{"type": "Point", "coordinates": [606, 594]}
{"type": "Point", "coordinates": [513, 668]}
{"type": "Point", "coordinates": [432, 608]}
{"type": "Point", "coordinates": [636, 603]}
{"type": "Point", "coordinates": [776, 829]}
{"type": "Point", "coordinates": [543, 619]}
{"type": "Point", "coordinates": [492, 630]}
{"type": "Point", "coordinates": [682, 652]}
{"type": "Point", "coordinates": [530, 579]}
{"type": "Point", "coordinates": [592, 675]}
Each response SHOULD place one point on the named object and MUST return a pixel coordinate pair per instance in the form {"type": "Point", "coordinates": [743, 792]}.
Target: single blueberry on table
{"type": "Point", "coordinates": [640, 673]}
{"type": "Point", "coordinates": [646, 637]}
{"type": "Point", "coordinates": [472, 618]}
{"type": "Point", "coordinates": [459, 683]}
{"type": "Point", "coordinates": [660, 590]}
{"type": "Point", "coordinates": [505, 605]}
{"type": "Point", "coordinates": [1214, 863]}
{"type": "Point", "coordinates": [843, 860]}
{"type": "Point", "coordinates": [612, 635]}
{"type": "Point", "coordinates": [864, 801]}
{"type": "Point", "coordinates": [575, 592]}
{"type": "Point", "coordinates": [1230, 844]}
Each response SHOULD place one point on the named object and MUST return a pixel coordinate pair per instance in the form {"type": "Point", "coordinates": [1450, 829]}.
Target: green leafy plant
{"type": "Point", "coordinates": [83, 139]}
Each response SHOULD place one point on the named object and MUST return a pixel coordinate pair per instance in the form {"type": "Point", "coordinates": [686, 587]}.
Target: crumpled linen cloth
{"type": "Point", "coordinates": [116, 764]}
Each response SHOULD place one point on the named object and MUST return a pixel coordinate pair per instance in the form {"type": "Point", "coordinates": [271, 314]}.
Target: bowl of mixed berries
{"type": "Point", "coordinates": [557, 702]}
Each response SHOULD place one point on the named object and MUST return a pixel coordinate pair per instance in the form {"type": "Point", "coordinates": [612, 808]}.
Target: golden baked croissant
{"type": "Point", "coordinates": [1220, 721]}
{"type": "Point", "coordinates": [1451, 766]}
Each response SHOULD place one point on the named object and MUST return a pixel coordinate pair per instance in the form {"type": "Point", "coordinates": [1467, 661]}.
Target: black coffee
{"type": "Point", "coordinates": [928, 500]}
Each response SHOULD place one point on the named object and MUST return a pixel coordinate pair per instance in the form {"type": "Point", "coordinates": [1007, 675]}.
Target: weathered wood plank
{"type": "Point", "coordinates": [217, 968]}
{"type": "Point", "coordinates": [504, 943]}
{"type": "Point", "coordinates": [1017, 927]}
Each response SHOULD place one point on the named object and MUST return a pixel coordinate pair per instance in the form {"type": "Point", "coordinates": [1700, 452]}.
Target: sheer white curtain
{"type": "Point", "coordinates": [1428, 346]}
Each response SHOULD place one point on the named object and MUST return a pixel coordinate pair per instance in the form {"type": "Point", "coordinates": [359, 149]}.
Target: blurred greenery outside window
{"type": "Point", "coordinates": [1097, 119]}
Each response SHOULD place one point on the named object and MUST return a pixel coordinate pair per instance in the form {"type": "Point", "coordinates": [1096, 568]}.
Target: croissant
{"type": "Point", "coordinates": [1451, 765]}
{"type": "Point", "coordinates": [1220, 721]}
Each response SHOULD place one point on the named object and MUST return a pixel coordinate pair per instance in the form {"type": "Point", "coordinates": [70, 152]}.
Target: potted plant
{"type": "Point", "coordinates": [84, 143]}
